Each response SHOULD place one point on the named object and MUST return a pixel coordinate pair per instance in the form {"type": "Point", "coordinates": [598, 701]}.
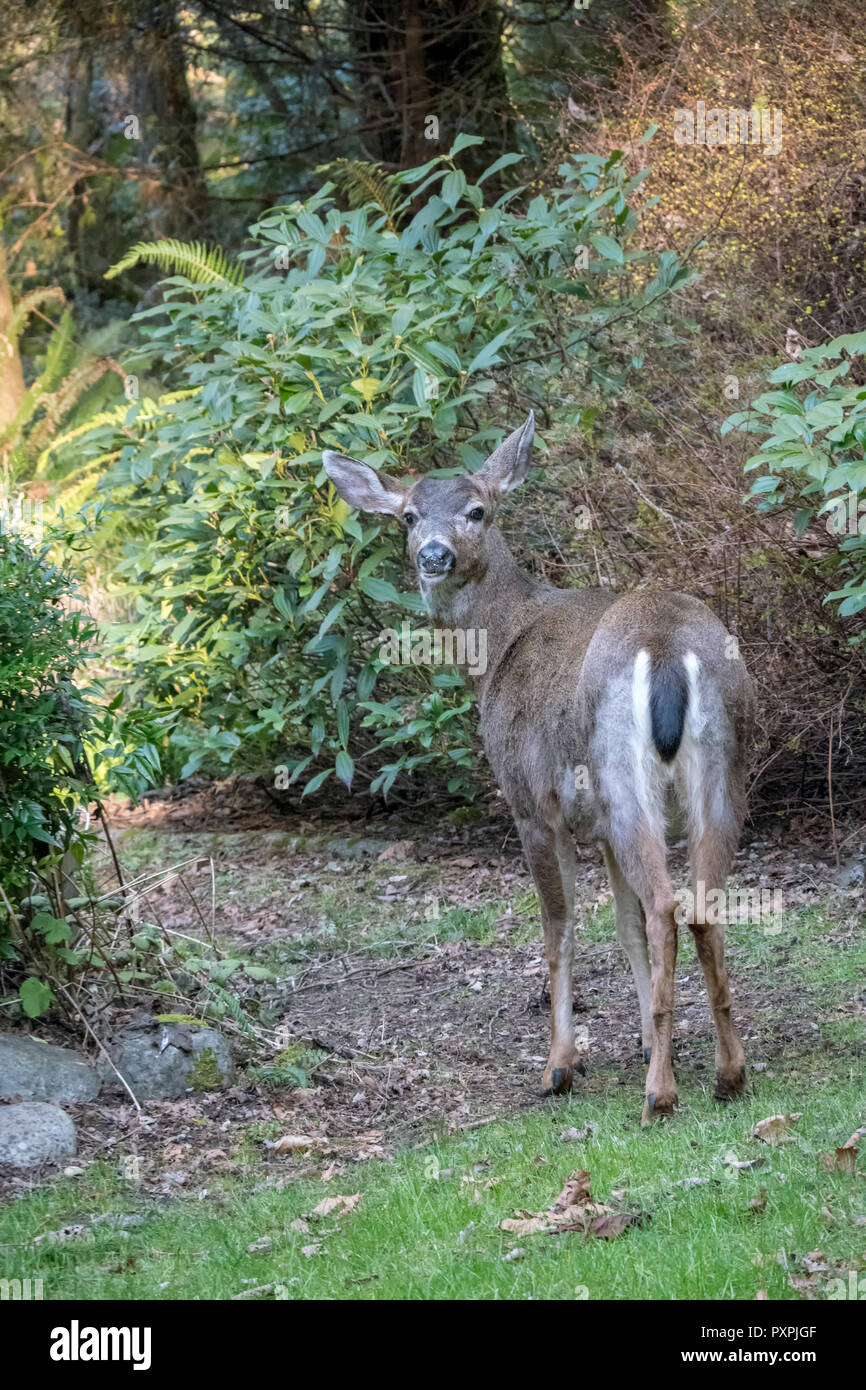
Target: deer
{"type": "Point", "coordinates": [601, 714]}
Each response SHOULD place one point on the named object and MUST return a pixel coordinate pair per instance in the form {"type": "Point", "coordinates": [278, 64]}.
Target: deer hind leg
{"type": "Point", "coordinates": [550, 855]}
{"type": "Point", "coordinates": [631, 930]}
{"type": "Point", "coordinates": [639, 849]}
{"type": "Point", "coordinates": [711, 850]}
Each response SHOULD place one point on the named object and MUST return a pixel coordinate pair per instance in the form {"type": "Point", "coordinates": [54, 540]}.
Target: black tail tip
{"type": "Point", "coordinates": [669, 695]}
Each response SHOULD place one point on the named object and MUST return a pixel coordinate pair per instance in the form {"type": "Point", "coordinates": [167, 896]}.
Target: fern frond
{"type": "Point", "coordinates": [198, 262]}
{"type": "Point", "coordinates": [364, 182]}
{"type": "Point", "coordinates": [150, 411]}
{"type": "Point", "coordinates": [59, 403]}
{"type": "Point", "coordinates": [24, 308]}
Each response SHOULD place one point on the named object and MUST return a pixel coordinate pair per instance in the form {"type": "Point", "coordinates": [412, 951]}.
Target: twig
{"type": "Point", "coordinates": [124, 1083]}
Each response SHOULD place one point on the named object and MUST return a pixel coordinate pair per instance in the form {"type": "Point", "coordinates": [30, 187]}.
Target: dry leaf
{"type": "Point", "coordinates": [576, 1192]}
{"type": "Point", "coordinates": [776, 1128]}
{"type": "Point", "coordinates": [815, 1262]}
{"type": "Point", "coordinates": [759, 1203]}
{"type": "Point", "coordinates": [341, 1205]}
{"type": "Point", "coordinates": [293, 1144]}
{"type": "Point", "coordinates": [845, 1157]}
{"type": "Point", "coordinates": [400, 849]}
{"type": "Point", "coordinates": [574, 1210]}
{"type": "Point", "coordinates": [308, 1250]}
{"type": "Point", "coordinates": [299, 1225]}
{"type": "Point", "coordinates": [526, 1225]}
{"type": "Point", "coordinates": [257, 1246]}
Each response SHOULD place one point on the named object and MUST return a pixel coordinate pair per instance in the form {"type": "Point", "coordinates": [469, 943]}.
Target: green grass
{"type": "Point", "coordinates": [428, 1223]}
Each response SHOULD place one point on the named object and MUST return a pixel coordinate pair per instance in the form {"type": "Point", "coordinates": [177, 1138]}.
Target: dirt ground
{"type": "Point", "coordinates": [418, 1034]}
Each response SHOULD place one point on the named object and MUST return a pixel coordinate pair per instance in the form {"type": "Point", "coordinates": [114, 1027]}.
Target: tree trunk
{"type": "Point", "coordinates": [428, 69]}
{"type": "Point", "coordinates": [161, 99]}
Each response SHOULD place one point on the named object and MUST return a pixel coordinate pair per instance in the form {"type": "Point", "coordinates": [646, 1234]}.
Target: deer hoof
{"type": "Point", "coordinates": [656, 1107]}
{"type": "Point", "coordinates": [647, 1056]}
{"type": "Point", "coordinates": [730, 1085]}
{"type": "Point", "coordinates": [557, 1082]}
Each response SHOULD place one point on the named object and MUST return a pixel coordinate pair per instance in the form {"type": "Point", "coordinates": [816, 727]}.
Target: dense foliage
{"type": "Point", "coordinates": [382, 330]}
{"type": "Point", "coordinates": [814, 452]}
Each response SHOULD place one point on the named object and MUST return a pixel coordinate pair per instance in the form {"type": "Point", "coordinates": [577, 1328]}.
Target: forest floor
{"type": "Point", "coordinates": [408, 987]}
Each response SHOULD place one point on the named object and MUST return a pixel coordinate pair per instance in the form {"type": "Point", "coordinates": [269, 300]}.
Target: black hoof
{"type": "Point", "coordinates": [647, 1055]}
{"type": "Point", "coordinates": [742, 1073]}
{"type": "Point", "coordinates": [581, 1067]}
{"type": "Point", "coordinates": [558, 1077]}
{"type": "Point", "coordinates": [651, 1101]}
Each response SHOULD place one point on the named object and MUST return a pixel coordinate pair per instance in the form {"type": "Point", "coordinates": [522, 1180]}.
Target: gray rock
{"type": "Point", "coordinates": [39, 1071]}
{"type": "Point", "coordinates": [851, 874]}
{"type": "Point", "coordinates": [357, 847]}
{"type": "Point", "coordinates": [163, 1061]}
{"type": "Point", "coordinates": [33, 1132]}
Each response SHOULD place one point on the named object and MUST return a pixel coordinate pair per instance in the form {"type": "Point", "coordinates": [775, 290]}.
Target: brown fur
{"type": "Point", "coordinates": [563, 716]}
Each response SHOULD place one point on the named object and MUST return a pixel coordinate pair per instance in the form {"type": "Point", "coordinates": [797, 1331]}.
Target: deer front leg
{"type": "Point", "coordinates": [550, 855]}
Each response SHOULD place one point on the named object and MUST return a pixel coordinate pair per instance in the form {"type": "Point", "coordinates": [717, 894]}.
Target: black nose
{"type": "Point", "coordinates": [435, 558]}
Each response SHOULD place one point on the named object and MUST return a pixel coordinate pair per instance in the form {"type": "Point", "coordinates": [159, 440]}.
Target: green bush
{"type": "Point", "coordinates": [814, 452]}
{"type": "Point", "coordinates": [384, 330]}
{"type": "Point", "coordinates": [53, 732]}
{"type": "Point", "coordinates": [43, 642]}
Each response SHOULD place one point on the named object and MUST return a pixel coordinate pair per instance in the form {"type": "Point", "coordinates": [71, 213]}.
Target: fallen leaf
{"type": "Point", "coordinates": [256, 1246]}
{"type": "Point", "coordinates": [570, 1136]}
{"type": "Point", "coordinates": [776, 1128]}
{"type": "Point", "coordinates": [299, 1225]}
{"type": "Point", "coordinates": [401, 849]}
{"type": "Point", "coordinates": [609, 1227]}
{"type": "Point", "coordinates": [574, 1210]}
{"type": "Point", "coordinates": [759, 1203]}
{"type": "Point", "coordinates": [308, 1250]}
{"type": "Point", "coordinates": [341, 1205]}
{"type": "Point", "coordinates": [576, 1192]}
{"type": "Point", "coordinates": [815, 1262]}
{"type": "Point", "coordinates": [526, 1225]}
{"type": "Point", "coordinates": [293, 1144]}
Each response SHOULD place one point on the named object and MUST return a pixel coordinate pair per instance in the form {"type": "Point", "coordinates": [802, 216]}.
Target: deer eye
{"type": "Point", "coordinates": [410, 518]}
{"type": "Point", "coordinates": [477, 514]}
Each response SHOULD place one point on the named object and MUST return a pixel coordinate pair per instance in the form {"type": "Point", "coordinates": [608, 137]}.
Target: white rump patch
{"type": "Point", "coordinates": [645, 761]}
{"type": "Point", "coordinates": [689, 754]}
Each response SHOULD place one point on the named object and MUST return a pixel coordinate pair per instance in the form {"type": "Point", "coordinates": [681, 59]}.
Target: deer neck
{"type": "Point", "coordinates": [495, 601]}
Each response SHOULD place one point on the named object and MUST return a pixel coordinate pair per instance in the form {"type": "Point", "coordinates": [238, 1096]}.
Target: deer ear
{"type": "Point", "coordinates": [361, 487]}
{"type": "Point", "coordinates": [509, 464]}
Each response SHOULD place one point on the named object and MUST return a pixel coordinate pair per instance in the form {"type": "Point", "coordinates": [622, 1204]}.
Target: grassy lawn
{"type": "Point", "coordinates": [725, 1215]}
{"type": "Point", "coordinates": [428, 1223]}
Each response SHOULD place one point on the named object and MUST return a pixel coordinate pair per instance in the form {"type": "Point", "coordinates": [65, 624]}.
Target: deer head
{"type": "Point", "coordinates": [447, 520]}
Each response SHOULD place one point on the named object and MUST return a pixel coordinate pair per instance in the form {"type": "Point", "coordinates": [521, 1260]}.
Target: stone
{"type": "Point", "coordinates": [33, 1132]}
{"type": "Point", "coordinates": [162, 1061]}
{"type": "Point", "coordinates": [32, 1070]}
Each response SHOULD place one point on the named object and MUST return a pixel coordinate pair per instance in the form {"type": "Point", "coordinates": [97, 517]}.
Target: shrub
{"type": "Point", "coordinates": [52, 732]}
{"type": "Point", "coordinates": [384, 329]}
{"type": "Point", "coordinates": [814, 453]}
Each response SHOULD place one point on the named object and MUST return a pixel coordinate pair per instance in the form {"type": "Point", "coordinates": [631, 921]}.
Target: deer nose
{"type": "Point", "coordinates": [434, 558]}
